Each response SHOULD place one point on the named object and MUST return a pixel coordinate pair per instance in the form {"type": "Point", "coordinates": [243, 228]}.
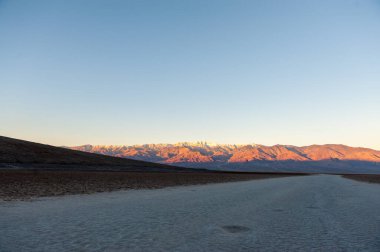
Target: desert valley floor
{"type": "Point", "coordinates": [303, 213]}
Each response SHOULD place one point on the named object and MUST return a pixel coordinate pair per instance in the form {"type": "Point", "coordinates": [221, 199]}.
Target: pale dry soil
{"type": "Point", "coordinates": [303, 213]}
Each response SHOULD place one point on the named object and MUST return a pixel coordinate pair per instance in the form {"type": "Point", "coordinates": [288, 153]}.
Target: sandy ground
{"type": "Point", "coordinates": [304, 213]}
{"type": "Point", "coordinates": [28, 184]}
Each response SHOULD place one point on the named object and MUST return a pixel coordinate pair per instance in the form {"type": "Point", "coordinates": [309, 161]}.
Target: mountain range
{"type": "Point", "coordinates": [252, 157]}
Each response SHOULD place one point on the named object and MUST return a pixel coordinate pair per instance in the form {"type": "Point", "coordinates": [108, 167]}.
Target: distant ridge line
{"type": "Point", "coordinates": [202, 152]}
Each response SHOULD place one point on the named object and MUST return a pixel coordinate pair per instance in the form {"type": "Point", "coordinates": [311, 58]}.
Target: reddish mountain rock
{"type": "Point", "coordinates": [201, 152]}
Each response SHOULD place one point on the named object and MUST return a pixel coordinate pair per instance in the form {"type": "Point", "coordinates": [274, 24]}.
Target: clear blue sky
{"type": "Point", "coordinates": [131, 72]}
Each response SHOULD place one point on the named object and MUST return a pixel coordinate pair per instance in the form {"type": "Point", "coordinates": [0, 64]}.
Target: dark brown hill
{"type": "Point", "coordinates": [16, 153]}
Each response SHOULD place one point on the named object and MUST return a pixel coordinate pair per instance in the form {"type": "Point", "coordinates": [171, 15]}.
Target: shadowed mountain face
{"type": "Point", "coordinates": [320, 158]}
{"type": "Point", "coordinates": [16, 153]}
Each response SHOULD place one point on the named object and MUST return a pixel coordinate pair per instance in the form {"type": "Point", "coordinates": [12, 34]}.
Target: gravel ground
{"type": "Point", "coordinates": [30, 184]}
{"type": "Point", "coordinates": [371, 178]}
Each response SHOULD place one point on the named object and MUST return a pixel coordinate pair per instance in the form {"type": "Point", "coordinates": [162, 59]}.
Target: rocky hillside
{"type": "Point", "coordinates": [16, 153]}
